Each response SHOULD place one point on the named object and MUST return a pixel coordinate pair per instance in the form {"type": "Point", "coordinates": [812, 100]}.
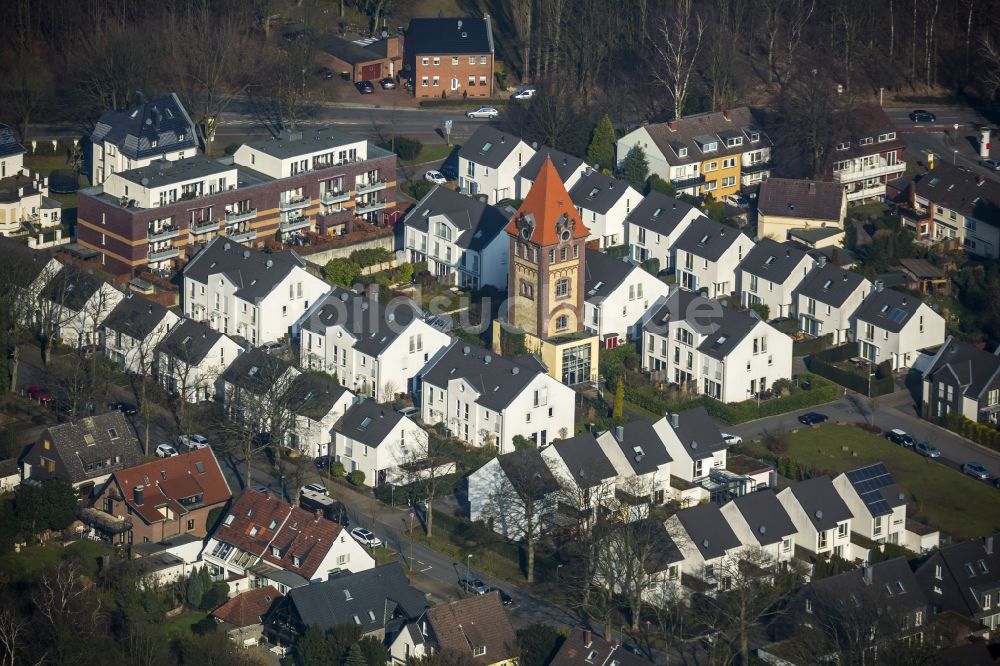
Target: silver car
{"type": "Point", "coordinates": [487, 112]}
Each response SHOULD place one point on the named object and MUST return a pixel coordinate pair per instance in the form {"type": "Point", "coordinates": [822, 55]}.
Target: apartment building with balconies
{"type": "Point", "coordinates": [25, 207]}
{"type": "Point", "coordinates": [869, 156]}
{"type": "Point", "coordinates": [314, 181]}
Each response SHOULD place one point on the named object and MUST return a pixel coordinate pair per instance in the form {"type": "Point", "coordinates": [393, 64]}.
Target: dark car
{"type": "Point", "coordinates": [39, 394]}
{"type": "Point", "coordinates": [324, 73]}
{"type": "Point", "coordinates": [812, 418]}
{"type": "Point", "coordinates": [921, 116]}
{"type": "Point", "coordinates": [323, 462]}
{"type": "Point", "coordinates": [450, 172]}
{"type": "Point", "coordinates": [126, 408]}
{"type": "Point", "coordinates": [897, 436]}
{"type": "Point", "coordinates": [388, 83]}
{"type": "Point", "coordinates": [505, 598]}
{"type": "Point", "coordinates": [365, 87]}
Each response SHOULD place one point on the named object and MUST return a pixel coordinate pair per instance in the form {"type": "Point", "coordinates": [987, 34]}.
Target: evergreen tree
{"type": "Point", "coordinates": [355, 657]}
{"type": "Point", "coordinates": [635, 167]}
{"type": "Point", "coordinates": [195, 589]}
{"type": "Point", "coordinates": [601, 151]}
{"type": "Point", "coordinates": [313, 647]}
{"type": "Point", "coordinates": [619, 407]}
{"type": "Point", "coordinates": [373, 650]}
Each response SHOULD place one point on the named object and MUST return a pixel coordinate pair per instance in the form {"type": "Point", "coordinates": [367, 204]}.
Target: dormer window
{"type": "Point", "coordinates": [229, 519]}
{"type": "Point", "coordinates": [734, 141]}
{"type": "Point", "coordinates": [296, 562]}
{"type": "Point", "coordinates": [682, 152]}
{"type": "Point", "coordinates": [479, 651]}
{"type": "Point", "coordinates": [867, 141]}
{"type": "Point", "coordinates": [844, 145]}
{"type": "Point", "coordinates": [754, 136]}
{"type": "Point", "coordinates": [710, 147]}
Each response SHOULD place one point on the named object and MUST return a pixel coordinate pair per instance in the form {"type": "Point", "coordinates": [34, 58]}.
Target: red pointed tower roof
{"type": "Point", "coordinates": [546, 210]}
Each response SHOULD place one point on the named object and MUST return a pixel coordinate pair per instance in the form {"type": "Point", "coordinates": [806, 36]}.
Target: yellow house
{"type": "Point", "coordinates": [812, 211]}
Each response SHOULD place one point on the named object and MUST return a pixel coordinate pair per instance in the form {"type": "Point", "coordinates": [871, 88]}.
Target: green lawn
{"type": "Point", "coordinates": [946, 499]}
{"type": "Point", "coordinates": [431, 152]}
{"type": "Point", "coordinates": [383, 556]}
{"type": "Point", "coordinates": [181, 625]}
{"type": "Point", "coordinates": [457, 538]}
{"type": "Point", "coordinates": [32, 558]}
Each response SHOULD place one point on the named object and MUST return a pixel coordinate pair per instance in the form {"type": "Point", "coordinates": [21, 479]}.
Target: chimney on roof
{"type": "Point", "coordinates": [246, 254]}
{"type": "Point", "coordinates": [619, 433]}
{"type": "Point", "coordinates": [137, 494]}
{"type": "Point", "coordinates": [672, 125]}
{"type": "Point", "coordinates": [812, 187]}
{"type": "Point", "coordinates": [588, 638]}
{"type": "Point", "coordinates": [988, 544]}
{"type": "Point", "coordinates": [728, 116]}
{"type": "Point", "coordinates": [866, 573]}
{"type": "Point", "coordinates": [821, 262]}
{"type": "Point", "coordinates": [675, 420]}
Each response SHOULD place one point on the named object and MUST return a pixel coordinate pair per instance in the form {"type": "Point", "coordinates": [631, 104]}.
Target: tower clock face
{"type": "Point", "coordinates": [526, 231]}
{"type": "Point", "coordinates": [564, 235]}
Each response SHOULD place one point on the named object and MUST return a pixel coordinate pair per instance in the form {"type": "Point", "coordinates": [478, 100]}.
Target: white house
{"type": "Point", "coordinates": [257, 390]}
{"type": "Point", "coordinates": [461, 239]}
{"type": "Point", "coordinates": [317, 402]}
{"type": "Point", "coordinates": [569, 167]}
{"type": "Point", "coordinates": [878, 508]}
{"type": "Point", "coordinates": [584, 472]}
{"type": "Point", "coordinates": [25, 207]}
{"type": "Point", "coordinates": [267, 541]}
{"type": "Point", "coordinates": [158, 129]}
{"type": "Point", "coordinates": [693, 442]}
{"type": "Point", "coordinates": [827, 298]}
{"type": "Point", "coordinates": [891, 325]}
{"type": "Point", "coordinates": [249, 293]}
{"type": "Point", "coordinates": [618, 294]}
{"type": "Point", "coordinates": [707, 543]}
{"type": "Point", "coordinates": [132, 332]}
{"type": "Point", "coordinates": [77, 303]}
{"type": "Point", "coordinates": [191, 358]}
{"type": "Point", "coordinates": [707, 255]}
{"type": "Point", "coordinates": [603, 203]}
{"type": "Point", "coordinates": [376, 440]}
{"type": "Point", "coordinates": [489, 400]}
{"type": "Point", "coordinates": [759, 520]}
{"type": "Point", "coordinates": [769, 274]}
{"type": "Point", "coordinates": [639, 456]}
{"type": "Point", "coordinates": [374, 350]}
{"type": "Point", "coordinates": [500, 491]}
{"type": "Point", "coordinates": [488, 163]}
{"type": "Point", "coordinates": [730, 355]}
{"type": "Point", "coordinates": [821, 517]}
{"type": "Point", "coordinates": [653, 227]}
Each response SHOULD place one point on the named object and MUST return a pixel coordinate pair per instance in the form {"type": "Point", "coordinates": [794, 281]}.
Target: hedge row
{"type": "Point", "coordinates": [980, 433]}
{"type": "Point", "coordinates": [444, 487]}
{"type": "Point", "coordinates": [881, 384]}
{"type": "Point", "coordinates": [811, 345]}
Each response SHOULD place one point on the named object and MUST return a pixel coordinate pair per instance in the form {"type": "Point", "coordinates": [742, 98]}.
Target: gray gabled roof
{"type": "Point", "coordinates": [291, 143]}
{"type": "Point", "coordinates": [498, 380]}
{"type": "Point", "coordinates": [373, 325]}
{"type": "Point", "coordinates": [189, 341]}
{"type": "Point", "coordinates": [697, 432]}
{"type": "Point", "coordinates": [891, 584]}
{"type": "Point", "coordinates": [707, 239]}
{"type": "Point", "coordinates": [526, 469]}
{"type": "Point", "coordinates": [313, 394]}
{"type": "Point", "coordinates": [566, 165]}
{"type": "Point", "coordinates": [488, 146]}
{"type": "Point", "coordinates": [605, 274]}
{"type": "Point", "coordinates": [585, 460]}
{"type": "Point", "coordinates": [256, 371]}
{"type": "Point", "coordinates": [71, 287]}
{"type": "Point", "coordinates": [597, 192]}
{"type": "Point", "coordinates": [383, 592]}
{"type": "Point", "coordinates": [677, 306]}
{"type": "Point", "coordinates": [830, 284]}
{"type": "Point", "coordinates": [888, 309]}
{"type": "Point", "coordinates": [9, 145]}
{"type": "Point", "coordinates": [135, 316]}
{"type": "Point", "coordinates": [641, 446]}
{"type": "Point", "coordinates": [99, 439]}
{"type": "Point", "coordinates": [877, 488]}
{"type": "Point", "coordinates": [159, 173]}
{"type": "Point", "coordinates": [445, 36]}
{"type": "Point", "coordinates": [25, 265]}
{"type": "Point", "coordinates": [659, 213]}
{"type": "Point", "coordinates": [254, 273]}
{"type": "Point", "coordinates": [163, 120]}
{"type": "Point", "coordinates": [821, 502]}
{"type": "Point", "coordinates": [478, 222]}
{"type": "Point", "coordinates": [972, 369]}
{"type": "Point", "coordinates": [732, 327]}
{"type": "Point", "coordinates": [765, 515]}
{"type": "Point", "coordinates": [772, 261]}
{"type": "Point", "coordinates": [803, 199]}
{"type": "Point", "coordinates": [368, 422]}
{"type": "Point", "coordinates": [708, 530]}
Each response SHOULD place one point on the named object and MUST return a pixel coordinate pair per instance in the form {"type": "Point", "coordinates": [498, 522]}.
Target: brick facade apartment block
{"type": "Point", "coordinates": [450, 57]}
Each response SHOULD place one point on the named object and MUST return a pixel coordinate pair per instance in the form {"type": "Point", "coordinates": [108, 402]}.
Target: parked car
{"type": "Point", "coordinates": [39, 393]}
{"type": "Point", "coordinates": [365, 87]}
{"type": "Point", "coordinates": [731, 440]}
{"type": "Point", "coordinates": [976, 470]}
{"type": "Point", "coordinates": [450, 172]}
{"type": "Point", "coordinates": [317, 488]}
{"type": "Point", "coordinates": [487, 112]}
{"type": "Point", "coordinates": [812, 418]}
{"type": "Point", "coordinates": [526, 92]}
{"type": "Point", "coordinates": [324, 73]}
{"type": "Point", "coordinates": [993, 165]}
{"type": "Point", "coordinates": [388, 83]}
{"type": "Point", "coordinates": [925, 449]}
{"type": "Point", "coordinates": [435, 177]}
{"type": "Point", "coordinates": [897, 436]}
{"type": "Point", "coordinates": [505, 598]}
{"type": "Point", "coordinates": [365, 537]}
{"type": "Point", "coordinates": [272, 347]}
{"type": "Point", "coordinates": [323, 462]}
{"type": "Point", "coordinates": [473, 585]}
{"type": "Point", "coordinates": [165, 451]}
{"type": "Point", "coordinates": [192, 442]}
{"type": "Point", "coordinates": [921, 116]}
{"type": "Point", "coordinates": [126, 408]}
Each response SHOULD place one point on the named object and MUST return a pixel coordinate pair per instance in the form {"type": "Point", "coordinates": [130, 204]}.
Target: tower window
{"type": "Point", "coordinates": [527, 289]}
{"type": "Point", "coordinates": [562, 323]}
{"type": "Point", "coordinates": [562, 287]}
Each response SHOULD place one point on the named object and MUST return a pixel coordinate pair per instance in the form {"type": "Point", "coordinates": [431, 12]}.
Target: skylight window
{"type": "Point", "coordinates": [347, 595]}
{"type": "Point", "coordinates": [88, 439]}
{"type": "Point", "coordinates": [770, 260]}
{"type": "Point", "coordinates": [704, 239]}
{"type": "Point", "coordinates": [656, 213]}
{"type": "Point", "coordinates": [828, 284]}
{"type": "Point", "coordinates": [357, 620]}
{"type": "Point", "coordinates": [272, 524]}
{"type": "Point", "coordinates": [487, 146]}
{"type": "Point", "coordinates": [371, 615]}
{"type": "Point", "coordinates": [594, 192]}
{"type": "Point", "coordinates": [885, 308]}
{"type": "Point", "coordinates": [254, 531]}
{"type": "Point", "coordinates": [365, 423]}
{"type": "Point", "coordinates": [229, 519]}
{"type": "Point", "coordinates": [200, 466]}
{"type": "Point", "coordinates": [112, 433]}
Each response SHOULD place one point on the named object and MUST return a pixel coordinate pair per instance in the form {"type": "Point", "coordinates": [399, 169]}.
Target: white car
{"type": "Point", "coordinates": [192, 442]}
{"type": "Point", "coordinates": [317, 488]}
{"type": "Point", "coordinates": [731, 440]}
{"type": "Point", "coordinates": [435, 177]}
{"type": "Point", "coordinates": [165, 451]}
{"type": "Point", "coordinates": [487, 112]}
{"type": "Point", "coordinates": [365, 537]}
{"type": "Point", "coordinates": [524, 93]}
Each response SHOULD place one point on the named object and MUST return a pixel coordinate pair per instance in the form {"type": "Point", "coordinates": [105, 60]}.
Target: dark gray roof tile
{"type": "Point", "coordinates": [805, 199]}
{"type": "Point", "coordinates": [888, 309]}
{"type": "Point", "coordinates": [368, 422]}
{"type": "Point", "coordinates": [830, 285]}
{"type": "Point", "coordinates": [585, 460]}
{"type": "Point", "coordinates": [497, 379]}
{"type": "Point", "coordinates": [659, 213]}
{"type": "Point", "coordinates": [707, 239]}
{"type": "Point", "coordinates": [708, 530]}
{"type": "Point", "coordinates": [163, 121]}
{"type": "Point", "coordinates": [597, 192]}
{"type": "Point", "coordinates": [373, 325]}
{"type": "Point", "coordinates": [189, 341]}
{"type": "Point", "coordinates": [772, 261]}
{"type": "Point", "coordinates": [488, 146]}
{"type": "Point", "coordinates": [605, 274]}
{"type": "Point", "coordinates": [821, 502]}
{"type": "Point", "coordinates": [449, 36]}
{"type": "Point", "coordinates": [135, 316]}
{"type": "Point", "coordinates": [478, 222]}
{"type": "Point", "coordinates": [765, 515]}
{"type": "Point", "coordinates": [254, 273]}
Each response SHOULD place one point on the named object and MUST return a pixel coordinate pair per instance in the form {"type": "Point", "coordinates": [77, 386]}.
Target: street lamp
{"type": "Point", "coordinates": [468, 571]}
{"type": "Point", "coordinates": [558, 567]}
{"type": "Point", "coordinates": [954, 156]}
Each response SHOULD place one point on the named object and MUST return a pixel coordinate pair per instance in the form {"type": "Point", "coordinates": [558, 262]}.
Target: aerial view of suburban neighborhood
{"type": "Point", "coordinates": [500, 333]}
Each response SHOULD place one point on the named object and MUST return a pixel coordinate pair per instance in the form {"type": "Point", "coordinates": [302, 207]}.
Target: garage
{"type": "Point", "coordinates": [371, 72]}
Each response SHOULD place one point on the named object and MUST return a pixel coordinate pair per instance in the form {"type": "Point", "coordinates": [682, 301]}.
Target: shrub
{"type": "Point", "coordinates": [761, 309]}
{"type": "Point", "coordinates": [371, 256]}
{"type": "Point", "coordinates": [417, 189]}
{"type": "Point", "coordinates": [405, 147]}
{"type": "Point", "coordinates": [337, 469]}
{"type": "Point", "coordinates": [656, 184]}
{"type": "Point", "coordinates": [357, 478]}
{"type": "Point", "coordinates": [405, 272]}
{"type": "Point", "coordinates": [522, 442]}
{"type": "Point", "coordinates": [776, 443]}
{"type": "Point", "coordinates": [342, 272]}
{"type": "Point", "coordinates": [651, 266]}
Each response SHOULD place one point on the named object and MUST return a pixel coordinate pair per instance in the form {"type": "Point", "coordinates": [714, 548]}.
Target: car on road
{"type": "Point", "coordinates": [526, 92]}
{"type": "Point", "coordinates": [272, 347]}
{"type": "Point", "coordinates": [192, 442]}
{"type": "Point", "coordinates": [435, 177]}
{"type": "Point", "coordinates": [365, 537]}
{"type": "Point", "coordinates": [992, 165]}
{"type": "Point", "coordinates": [39, 393]}
{"type": "Point", "coordinates": [921, 116]}
{"type": "Point", "coordinates": [317, 488]}
{"type": "Point", "coordinates": [976, 470]}
{"type": "Point", "coordinates": [365, 87]}
{"type": "Point", "coordinates": [505, 598]}
{"type": "Point", "coordinates": [487, 112]}
{"type": "Point", "coordinates": [263, 489]}
{"type": "Point", "coordinates": [925, 449]}
{"type": "Point", "coordinates": [731, 440]}
{"type": "Point", "coordinates": [165, 451]}
{"type": "Point", "coordinates": [897, 436]}
{"type": "Point", "coordinates": [126, 408]}
{"type": "Point", "coordinates": [388, 83]}
{"type": "Point", "coordinates": [473, 585]}
{"type": "Point", "coordinates": [812, 418]}
{"type": "Point", "coordinates": [324, 73]}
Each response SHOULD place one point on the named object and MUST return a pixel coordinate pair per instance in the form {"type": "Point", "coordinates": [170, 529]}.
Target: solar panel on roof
{"type": "Point", "coordinates": [868, 483]}
{"type": "Point", "coordinates": [898, 315]}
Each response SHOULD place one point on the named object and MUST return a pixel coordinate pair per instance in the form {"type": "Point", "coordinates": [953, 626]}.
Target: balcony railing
{"type": "Point", "coordinates": [162, 255]}
{"type": "Point", "coordinates": [295, 223]}
{"type": "Point", "coordinates": [756, 167]}
{"type": "Point", "coordinates": [294, 204]}
{"type": "Point", "coordinates": [205, 227]}
{"type": "Point", "coordinates": [364, 188]}
{"type": "Point", "coordinates": [369, 207]}
{"type": "Point", "coordinates": [330, 198]}
{"type": "Point", "coordinates": [242, 236]}
{"type": "Point", "coordinates": [165, 233]}
{"type": "Point", "coordinates": [867, 192]}
{"type": "Point", "coordinates": [685, 183]}
{"type": "Point", "coordinates": [240, 215]}
{"type": "Point", "coordinates": [855, 173]}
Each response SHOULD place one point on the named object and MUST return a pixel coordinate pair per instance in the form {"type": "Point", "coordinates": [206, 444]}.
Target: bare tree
{"type": "Point", "coordinates": [423, 458]}
{"type": "Point", "coordinates": [26, 84]}
{"type": "Point", "coordinates": [522, 12]}
{"type": "Point", "coordinates": [13, 632]}
{"type": "Point", "coordinates": [680, 33]}
{"type": "Point", "coordinates": [20, 313]}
